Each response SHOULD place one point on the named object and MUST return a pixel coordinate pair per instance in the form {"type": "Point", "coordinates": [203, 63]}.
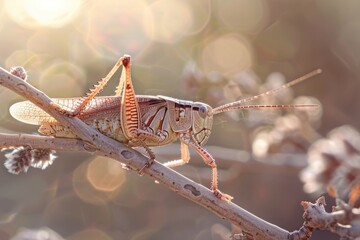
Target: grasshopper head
{"type": "Point", "coordinates": [201, 122]}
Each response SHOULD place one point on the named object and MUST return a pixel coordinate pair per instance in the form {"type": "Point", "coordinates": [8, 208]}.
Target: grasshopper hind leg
{"type": "Point", "coordinates": [84, 101]}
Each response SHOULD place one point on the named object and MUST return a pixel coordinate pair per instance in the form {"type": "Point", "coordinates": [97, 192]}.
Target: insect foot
{"type": "Point", "coordinates": [151, 157]}
{"type": "Point", "coordinates": [146, 165]}
{"type": "Point", "coordinates": [222, 196]}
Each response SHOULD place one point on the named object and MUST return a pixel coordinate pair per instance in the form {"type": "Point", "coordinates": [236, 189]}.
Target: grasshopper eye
{"type": "Point", "coordinates": [203, 111]}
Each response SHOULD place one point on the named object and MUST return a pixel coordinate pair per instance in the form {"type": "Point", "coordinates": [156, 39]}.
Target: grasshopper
{"type": "Point", "coordinates": [141, 120]}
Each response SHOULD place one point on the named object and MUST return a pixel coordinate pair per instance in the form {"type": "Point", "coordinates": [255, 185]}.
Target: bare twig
{"type": "Point", "coordinates": [35, 141]}
{"type": "Point", "coordinates": [343, 222]}
{"type": "Point", "coordinates": [227, 156]}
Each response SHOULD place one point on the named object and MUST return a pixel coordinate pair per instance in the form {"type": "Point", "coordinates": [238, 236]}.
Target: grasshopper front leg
{"type": "Point", "coordinates": [209, 160]}
{"type": "Point", "coordinates": [187, 139]}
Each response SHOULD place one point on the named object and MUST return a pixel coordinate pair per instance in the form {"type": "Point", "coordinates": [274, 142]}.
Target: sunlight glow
{"type": "Point", "coordinates": [35, 13]}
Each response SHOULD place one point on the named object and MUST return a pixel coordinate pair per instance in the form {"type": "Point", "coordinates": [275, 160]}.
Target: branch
{"type": "Point", "coordinates": [36, 141]}
{"type": "Point", "coordinates": [255, 227]}
{"type": "Point", "coordinates": [227, 156]}
{"type": "Point", "coordinates": [344, 221]}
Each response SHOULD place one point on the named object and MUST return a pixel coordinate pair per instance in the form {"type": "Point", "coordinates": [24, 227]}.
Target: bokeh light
{"type": "Point", "coordinates": [227, 54]}
{"type": "Point", "coordinates": [63, 75]}
{"type": "Point", "coordinates": [91, 184]}
{"type": "Point", "coordinates": [90, 234]}
{"type": "Point", "coordinates": [29, 59]}
{"type": "Point", "coordinates": [36, 13]}
{"type": "Point", "coordinates": [116, 28]}
{"type": "Point", "coordinates": [105, 174]}
{"type": "Point", "coordinates": [245, 15]}
{"type": "Point", "coordinates": [168, 21]}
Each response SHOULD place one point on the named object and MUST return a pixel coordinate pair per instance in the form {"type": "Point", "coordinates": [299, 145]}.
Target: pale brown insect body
{"type": "Point", "coordinates": [143, 121]}
{"type": "Point", "coordinates": [167, 117]}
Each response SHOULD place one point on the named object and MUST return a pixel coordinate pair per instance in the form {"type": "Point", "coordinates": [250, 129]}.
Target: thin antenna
{"type": "Point", "coordinates": [238, 104]}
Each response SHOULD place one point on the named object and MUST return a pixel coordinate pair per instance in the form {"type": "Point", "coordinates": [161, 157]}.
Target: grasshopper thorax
{"type": "Point", "coordinates": [190, 117]}
{"type": "Point", "coordinates": [202, 120]}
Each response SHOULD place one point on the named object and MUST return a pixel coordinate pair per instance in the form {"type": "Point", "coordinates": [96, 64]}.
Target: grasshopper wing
{"type": "Point", "coordinates": [29, 113]}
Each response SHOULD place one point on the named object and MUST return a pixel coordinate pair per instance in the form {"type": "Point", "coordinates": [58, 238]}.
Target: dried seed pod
{"type": "Point", "coordinates": [19, 71]}
{"type": "Point", "coordinates": [42, 158]}
{"type": "Point", "coordinates": [334, 164]}
{"type": "Point", "coordinates": [19, 160]}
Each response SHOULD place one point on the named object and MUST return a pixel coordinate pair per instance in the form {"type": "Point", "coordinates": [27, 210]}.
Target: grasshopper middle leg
{"type": "Point", "coordinates": [185, 157]}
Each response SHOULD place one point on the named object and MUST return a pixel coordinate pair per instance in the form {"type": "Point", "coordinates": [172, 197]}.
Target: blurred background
{"type": "Point", "coordinates": [206, 50]}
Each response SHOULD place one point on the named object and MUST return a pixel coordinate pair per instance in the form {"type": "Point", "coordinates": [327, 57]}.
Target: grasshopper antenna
{"type": "Point", "coordinates": [238, 104]}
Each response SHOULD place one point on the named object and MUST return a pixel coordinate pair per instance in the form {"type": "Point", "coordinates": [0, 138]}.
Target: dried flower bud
{"type": "Point", "coordinates": [19, 160]}
{"type": "Point", "coordinates": [287, 136]}
{"type": "Point", "coordinates": [247, 81]}
{"type": "Point", "coordinates": [350, 138]}
{"type": "Point", "coordinates": [43, 233]}
{"type": "Point", "coordinates": [334, 164]}
{"type": "Point", "coordinates": [193, 78]}
{"type": "Point", "coordinates": [42, 158]}
{"type": "Point", "coordinates": [19, 71]}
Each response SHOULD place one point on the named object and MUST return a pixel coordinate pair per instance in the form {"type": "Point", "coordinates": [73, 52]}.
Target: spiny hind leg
{"type": "Point", "coordinates": [129, 107]}
{"type": "Point", "coordinates": [130, 114]}
{"type": "Point", "coordinates": [93, 92]}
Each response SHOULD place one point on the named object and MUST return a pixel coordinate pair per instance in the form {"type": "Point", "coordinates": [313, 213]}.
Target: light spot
{"type": "Point", "coordinates": [35, 13]}
{"type": "Point", "coordinates": [105, 174]}
{"type": "Point", "coordinates": [229, 54]}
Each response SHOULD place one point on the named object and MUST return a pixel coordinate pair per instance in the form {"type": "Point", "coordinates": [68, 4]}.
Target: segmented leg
{"type": "Point", "coordinates": [130, 113]}
{"type": "Point", "coordinates": [93, 92]}
{"type": "Point", "coordinates": [129, 108]}
{"type": "Point", "coordinates": [151, 156]}
{"type": "Point", "coordinates": [142, 136]}
{"type": "Point", "coordinates": [209, 160]}
{"type": "Point", "coordinates": [185, 157]}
